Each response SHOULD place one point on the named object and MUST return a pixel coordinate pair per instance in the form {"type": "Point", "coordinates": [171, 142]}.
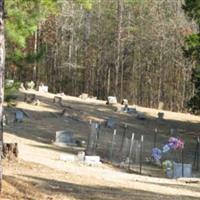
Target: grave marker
{"type": "Point", "coordinates": [19, 116]}
{"type": "Point", "coordinates": [112, 100]}
{"type": "Point", "coordinates": [64, 138]}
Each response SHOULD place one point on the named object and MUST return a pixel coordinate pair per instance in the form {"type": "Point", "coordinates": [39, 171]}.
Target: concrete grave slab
{"type": "Point", "coordinates": [92, 160]}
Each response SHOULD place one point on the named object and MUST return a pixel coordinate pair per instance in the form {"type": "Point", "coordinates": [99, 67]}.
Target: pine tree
{"type": "Point", "coordinates": [192, 50]}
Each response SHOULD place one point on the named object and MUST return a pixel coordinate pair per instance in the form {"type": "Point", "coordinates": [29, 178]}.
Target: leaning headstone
{"type": "Point", "coordinates": [64, 138]}
{"type": "Point", "coordinates": [19, 116]}
{"type": "Point", "coordinates": [112, 100]}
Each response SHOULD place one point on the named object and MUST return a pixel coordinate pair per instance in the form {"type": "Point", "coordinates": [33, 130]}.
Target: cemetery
{"type": "Point", "coordinates": [100, 99]}
{"type": "Point", "coordinates": [75, 133]}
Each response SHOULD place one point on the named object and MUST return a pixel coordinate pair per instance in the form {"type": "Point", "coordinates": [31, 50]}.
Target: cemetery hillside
{"type": "Point", "coordinates": [99, 100]}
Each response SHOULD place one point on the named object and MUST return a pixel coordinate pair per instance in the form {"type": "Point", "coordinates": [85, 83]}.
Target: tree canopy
{"type": "Point", "coordinates": [129, 48]}
{"type": "Point", "coordinates": [192, 50]}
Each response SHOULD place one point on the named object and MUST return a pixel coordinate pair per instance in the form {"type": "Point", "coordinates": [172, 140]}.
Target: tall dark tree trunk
{"type": "Point", "coordinates": [119, 34]}
{"type": "Point", "coordinates": [2, 64]}
{"type": "Point", "coordinates": [86, 51]}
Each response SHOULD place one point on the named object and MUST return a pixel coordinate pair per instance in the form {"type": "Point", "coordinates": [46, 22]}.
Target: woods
{"type": "Point", "coordinates": [60, 60]}
{"type": "Point", "coordinates": [129, 48]}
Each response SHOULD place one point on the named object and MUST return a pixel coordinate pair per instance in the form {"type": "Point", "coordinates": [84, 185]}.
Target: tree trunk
{"type": "Point", "coordinates": [119, 33]}
{"type": "Point", "coordinates": [86, 51]}
{"type": "Point", "coordinates": [2, 64]}
{"type": "Point", "coordinates": [35, 52]}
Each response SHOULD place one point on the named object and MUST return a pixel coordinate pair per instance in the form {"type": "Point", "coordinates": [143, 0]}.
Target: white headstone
{"type": "Point", "coordinates": [112, 100]}
{"type": "Point", "coordinates": [43, 88]}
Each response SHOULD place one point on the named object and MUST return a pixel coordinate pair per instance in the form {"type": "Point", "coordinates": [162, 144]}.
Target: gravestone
{"type": "Point", "coordinates": [19, 116]}
{"type": "Point", "coordinates": [160, 105]}
{"type": "Point", "coordinates": [111, 100]}
{"type": "Point", "coordinates": [64, 138]}
{"type": "Point", "coordinates": [187, 170]}
{"type": "Point", "coordinates": [43, 88]}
